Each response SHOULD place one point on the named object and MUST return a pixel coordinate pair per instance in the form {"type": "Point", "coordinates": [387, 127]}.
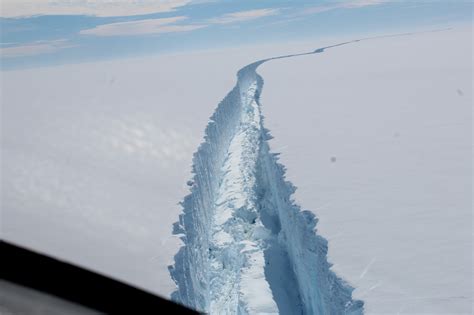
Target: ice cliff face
{"type": "Point", "coordinates": [248, 248]}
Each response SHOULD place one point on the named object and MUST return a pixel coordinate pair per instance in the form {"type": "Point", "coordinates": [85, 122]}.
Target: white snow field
{"type": "Point", "coordinates": [375, 134]}
{"type": "Point", "coordinates": [96, 156]}
{"type": "Point", "coordinates": [377, 137]}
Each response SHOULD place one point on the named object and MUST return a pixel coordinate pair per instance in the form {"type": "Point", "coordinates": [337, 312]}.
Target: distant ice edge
{"type": "Point", "coordinates": [248, 247]}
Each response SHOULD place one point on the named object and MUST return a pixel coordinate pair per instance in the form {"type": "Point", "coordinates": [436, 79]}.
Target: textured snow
{"type": "Point", "coordinates": [377, 137]}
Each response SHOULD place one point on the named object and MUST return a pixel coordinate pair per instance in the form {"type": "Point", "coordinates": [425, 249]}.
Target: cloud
{"type": "Point", "coordinates": [34, 48]}
{"type": "Point", "coordinates": [142, 27]}
{"type": "Point", "coordinates": [169, 25]}
{"type": "Point", "coordinates": [350, 4]}
{"type": "Point", "coordinates": [243, 16]}
{"type": "Point", "coordinates": [363, 3]}
{"type": "Point", "coordinates": [101, 8]}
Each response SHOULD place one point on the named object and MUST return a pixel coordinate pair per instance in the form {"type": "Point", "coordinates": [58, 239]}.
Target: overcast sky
{"type": "Point", "coordinates": [45, 32]}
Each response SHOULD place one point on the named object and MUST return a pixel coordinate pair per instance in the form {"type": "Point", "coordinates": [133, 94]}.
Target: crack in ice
{"type": "Point", "coordinates": [236, 258]}
{"type": "Point", "coordinates": [248, 248]}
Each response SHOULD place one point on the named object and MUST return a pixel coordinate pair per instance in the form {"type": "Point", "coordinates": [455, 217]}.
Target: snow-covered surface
{"type": "Point", "coordinates": [377, 137]}
{"type": "Point", "coordinates": [95, 157]}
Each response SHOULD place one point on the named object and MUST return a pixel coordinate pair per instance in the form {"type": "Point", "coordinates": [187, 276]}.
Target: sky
{"type": "Point", "coordinates": [37, 33]}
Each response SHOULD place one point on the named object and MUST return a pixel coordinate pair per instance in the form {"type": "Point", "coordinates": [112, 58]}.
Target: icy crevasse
{"type": "Point", "coordinates": [248, 248]}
